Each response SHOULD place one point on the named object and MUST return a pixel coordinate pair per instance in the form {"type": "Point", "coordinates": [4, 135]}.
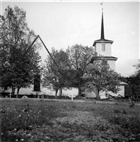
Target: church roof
{"type": "Point", "coordinates": [102, 39]}
{"type": "Point", "coordinates": [123, 83]}
{"type": "Point", "coordinates": [104, 57]}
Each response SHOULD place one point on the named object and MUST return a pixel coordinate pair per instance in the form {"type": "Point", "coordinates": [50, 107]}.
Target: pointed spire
{"type": "Point", "coordinates": [102, 27]}
{"type": "Point", "coordinates": [102, 39]}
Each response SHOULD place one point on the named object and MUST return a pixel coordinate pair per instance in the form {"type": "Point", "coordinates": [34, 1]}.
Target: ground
{"type": "Point", "coordinates": [34, 120]}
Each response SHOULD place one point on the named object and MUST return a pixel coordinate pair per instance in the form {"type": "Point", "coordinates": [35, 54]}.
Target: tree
{"type": "Point", "coordinates": [134, 82]}
{"type": "Point", "coordinates": [57, 71]}
{"type": "Point", "coordinates": [99, 77]}
{"type": "Point", "coordinates": [80, 57]}
{"type": "Point", "coordinates": [137, 67]}
{"type": "Point", "coordinates": [17, 65]}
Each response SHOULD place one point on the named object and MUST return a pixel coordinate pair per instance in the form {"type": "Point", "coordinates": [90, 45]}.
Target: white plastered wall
{"type": "Point", "coordinates": [107, 51]}
{"type": "Point", "coordinates": [102, 94]}
{"type": "Point", "coordinates": [111, 64]}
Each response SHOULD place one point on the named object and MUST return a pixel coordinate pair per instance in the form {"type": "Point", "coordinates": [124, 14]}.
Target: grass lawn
{"type": "Point", "coordinates": [28, 120]}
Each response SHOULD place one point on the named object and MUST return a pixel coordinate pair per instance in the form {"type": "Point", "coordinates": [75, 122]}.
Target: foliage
{"type": "Point", "coordinates": [137, 67]}
{"type": "Point", "coordinates": [67, 68]}
{"type": "Point", "coordinates": [80, 57]}
{"type": "Point", "coordinates": [99, 77]}
{"type": "Point", "coordinates": [134, 83]}
{"type": "Point", "coordinates": [57, 71]}
{"type": "Point", "coordinates": [68, 121]}
{"type": "Point", "coordinates": [17, 66]}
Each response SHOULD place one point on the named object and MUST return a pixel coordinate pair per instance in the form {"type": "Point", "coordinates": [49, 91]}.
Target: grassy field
{"type": "Point", "coordinates": [27, 120]}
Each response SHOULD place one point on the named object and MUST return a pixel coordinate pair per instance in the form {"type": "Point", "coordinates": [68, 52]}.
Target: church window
{"type": "Point", "coordinates": [103, 47]}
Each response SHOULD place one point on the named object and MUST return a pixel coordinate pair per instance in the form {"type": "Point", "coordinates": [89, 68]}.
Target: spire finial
{"type": "Point", "coordinates": [102, 6]}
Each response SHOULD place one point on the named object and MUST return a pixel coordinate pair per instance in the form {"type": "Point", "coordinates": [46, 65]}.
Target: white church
{"type": "Point", "coordinates": [103, 49]}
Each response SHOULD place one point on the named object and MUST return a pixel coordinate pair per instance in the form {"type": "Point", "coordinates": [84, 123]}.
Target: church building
{"type": "Point", "coordinates": [103, 48]}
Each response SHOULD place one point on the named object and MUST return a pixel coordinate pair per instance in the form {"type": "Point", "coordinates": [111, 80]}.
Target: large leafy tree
{"type": "Point", "coordinates": [18, 64]}
{"type": "Point", "coordinates": [57, 72]}
{"type": "Point", "coordinates": [99, 77]}
{"type": "Point", "coordinates": [134, 82]}
{"type": "Point", "coordinates": [138, 66]}
{"type": "Point", "coordinates": [80, 57]}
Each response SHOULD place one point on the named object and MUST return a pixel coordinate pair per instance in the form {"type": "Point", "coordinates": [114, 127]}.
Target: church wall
{"type": "Point", "coordinates": [122, 90]}
{"type": "Point", "coordinates": [111, 64]}
{"type": "Point", "coordinates": [73, 92]}
{"type": "Point", "coordinates": [7, 91]}
{"type": "Point", "coordinates": [90, 94]}
{"type": "Point", "coordinates": [107, 51]}
{"type": "Point", "coordinates": [103, 95]}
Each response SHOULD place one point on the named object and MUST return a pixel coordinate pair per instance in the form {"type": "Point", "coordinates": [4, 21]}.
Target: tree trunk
{"type": "Point", "coordinates": [17, 92]}
{"type": "Point", "coordinates": [13, 90]}
{"type": "Point", "coordinates": [56, 90]}
{"type": "Point", "coordinates": [60, 93]}
{"type": "Point", "coordinates": [98, 95]}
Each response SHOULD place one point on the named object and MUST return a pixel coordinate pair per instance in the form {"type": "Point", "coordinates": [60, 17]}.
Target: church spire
{"type": "Point", "coordinates": [102, 27]}
{"type": "Point", "coordinates": [102, 39]}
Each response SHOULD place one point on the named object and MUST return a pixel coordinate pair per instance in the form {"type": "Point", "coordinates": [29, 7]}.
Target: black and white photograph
{"type": "Point", "coordinates": [69, 71]}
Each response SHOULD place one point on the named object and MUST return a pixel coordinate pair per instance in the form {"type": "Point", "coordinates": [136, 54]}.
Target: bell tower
{"type": "Point", "coordinates": [103, 46]}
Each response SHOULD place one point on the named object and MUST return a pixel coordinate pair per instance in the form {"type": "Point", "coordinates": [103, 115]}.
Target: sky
{"type": "Point", "coordinates": [64, 23]}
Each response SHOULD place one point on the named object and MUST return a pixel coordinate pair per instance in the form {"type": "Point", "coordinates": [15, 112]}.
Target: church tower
{"type": "Point", "coordinates": [103, 47]}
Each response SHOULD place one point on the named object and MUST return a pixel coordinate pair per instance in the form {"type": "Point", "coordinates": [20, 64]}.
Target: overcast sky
{"type": "Point", "coordinates": [63, 24]}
